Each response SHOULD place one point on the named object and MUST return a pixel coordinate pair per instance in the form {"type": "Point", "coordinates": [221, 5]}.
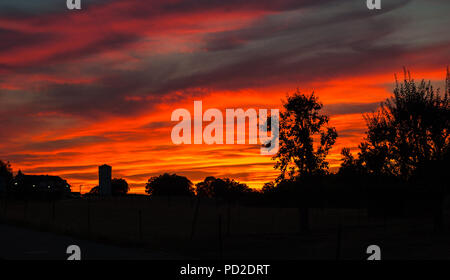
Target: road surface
{"type": "Point", "coordinates": [26, 244]}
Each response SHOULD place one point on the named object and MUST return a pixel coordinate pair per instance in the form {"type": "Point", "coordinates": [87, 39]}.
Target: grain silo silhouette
{"type": "Point", "coordinates": [104, 180]}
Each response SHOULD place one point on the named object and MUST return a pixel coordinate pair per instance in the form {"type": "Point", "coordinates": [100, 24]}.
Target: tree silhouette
{"type": "Point", "coordinates": [300, 123]}
{"type": "Point", "coordinates": [409, 130]}
{"type": "Point", "coordinates": [119, 187]}
{"type": "Point", "coordinates": [169, 184]}
{"type": "Point", "coordinates": [227, 189]}
{"type": "Point", "coordinates": [6, 174]}
{"type": "Point", "coordinates": [350, 166]}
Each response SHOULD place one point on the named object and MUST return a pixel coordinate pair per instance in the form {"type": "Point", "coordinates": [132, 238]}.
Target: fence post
{"type": "Point", "coordinates": [228, 219]}
{"type": "Point", "coordinates": [140, 225]}
{"type": "Point", "coordinates": [194, 221]}
{"type": "Point", "coordinates": [220, 238]}
{"type": "Point", "coordinates": [53, 211]}
{"type": "Point", "coordinates": [237, 229]}
{"type": "Point", "coordinates": [438, 213]}
{"type": "Point", "coordinates": [338, 242]}
{"type": "Point", "coordinates": [89, 216]}
{"type": "Point", "coordinates": [303, 214]}
{"type": "Point", "coordinates": [25, 209]}
{"type": "Point", "coordinates": [5, 207]}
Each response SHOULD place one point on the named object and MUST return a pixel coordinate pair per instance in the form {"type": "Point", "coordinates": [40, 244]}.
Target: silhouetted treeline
{"type": "Point", "coordinates": [219, 188]}
{"type": "Point", "coordinates": [402, 160]}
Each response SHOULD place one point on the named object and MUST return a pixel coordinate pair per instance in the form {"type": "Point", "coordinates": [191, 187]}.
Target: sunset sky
{"type": "Point", "coordinates": [82, 88]}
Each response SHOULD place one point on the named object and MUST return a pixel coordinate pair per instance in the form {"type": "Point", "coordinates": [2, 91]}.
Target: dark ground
{"type": "Point", "coordinates": [165, 230]}
{"type": "Point", "coordinates": [18, 243]}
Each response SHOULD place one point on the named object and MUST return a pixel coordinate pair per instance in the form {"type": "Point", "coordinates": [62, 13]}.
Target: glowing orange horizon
{"type": "Point", "coordinates": [150, 151]}
{"type": "Point", "coordinates": [81, 89]}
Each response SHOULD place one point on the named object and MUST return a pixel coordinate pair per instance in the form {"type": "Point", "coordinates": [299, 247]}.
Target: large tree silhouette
{"type": "Point", "coordinates": [409, 131]}
{"type": "Point", "coordinates": [305, 137]}
{"type": "Point", "coordinates": [169, 184]}
{"type": "Point", "coordinates": [119, 187]}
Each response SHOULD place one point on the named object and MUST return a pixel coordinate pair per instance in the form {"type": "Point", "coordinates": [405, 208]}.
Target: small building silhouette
{"type": "Point", "coordinates": [104, 180]}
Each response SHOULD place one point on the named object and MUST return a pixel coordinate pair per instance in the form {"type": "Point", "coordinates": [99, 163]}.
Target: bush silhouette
{"type": "Point", "coordinates": [225, 188]}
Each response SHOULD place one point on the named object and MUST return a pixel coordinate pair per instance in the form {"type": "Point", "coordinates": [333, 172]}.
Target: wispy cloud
{"type": "Point", "coordinates": [98, 85]}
